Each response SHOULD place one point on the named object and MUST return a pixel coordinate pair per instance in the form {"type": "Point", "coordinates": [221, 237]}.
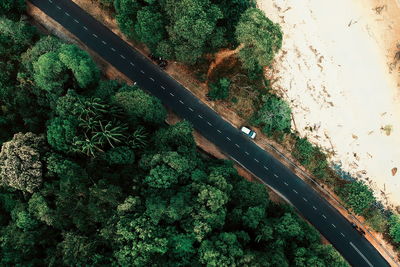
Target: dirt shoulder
{"type": "Point", "coordinates": [184, 76]}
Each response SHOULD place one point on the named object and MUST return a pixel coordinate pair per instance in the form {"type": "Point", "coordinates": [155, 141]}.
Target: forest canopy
{"type": "Point", "coordinates": [91, 175]}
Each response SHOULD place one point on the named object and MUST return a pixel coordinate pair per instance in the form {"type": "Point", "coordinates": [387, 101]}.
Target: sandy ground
{"type": "Point", "coordinates": [336, 69]}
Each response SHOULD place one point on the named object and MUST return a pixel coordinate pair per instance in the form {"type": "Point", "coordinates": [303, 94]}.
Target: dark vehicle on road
{"type": "Point", "coordinates": [359, 229]}
{"type": "Point", "coordinates": [162, 63]}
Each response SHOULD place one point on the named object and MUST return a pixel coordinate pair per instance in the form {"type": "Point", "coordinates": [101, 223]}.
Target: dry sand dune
{"type": "Point", "coordinates": [337, 71]}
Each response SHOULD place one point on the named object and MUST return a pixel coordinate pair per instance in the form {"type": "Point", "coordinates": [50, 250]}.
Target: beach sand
{"type": "Point", "coordinates": [336, 69]}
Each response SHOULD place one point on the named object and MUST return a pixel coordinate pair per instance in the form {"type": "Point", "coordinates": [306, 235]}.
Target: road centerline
{"type": "Point", "coordinates": [362, 255]}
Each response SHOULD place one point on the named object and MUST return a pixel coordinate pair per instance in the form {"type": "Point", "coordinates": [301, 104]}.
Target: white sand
{"type": "Point", "coordinates": [339, 78]}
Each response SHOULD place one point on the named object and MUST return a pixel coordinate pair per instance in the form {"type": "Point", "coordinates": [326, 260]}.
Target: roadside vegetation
{"type": "Point", "coordinates": [192, 31]}
{"type": "Point", "coordinates": [91, 175]}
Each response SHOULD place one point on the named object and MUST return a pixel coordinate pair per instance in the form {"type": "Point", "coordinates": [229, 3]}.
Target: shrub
{"type": "Point", "coordinates": [303, 151]}
{"type": "Point", "coordinates": [394, 228]}
{"type": "Point", "coordinates": [357, 196]}
{"type": "Point", "coordinates": [273, 116]}
{"type": "Point", "coordinates": [376, 220]}
{"type": "Point", "coordinates": [219, 90]}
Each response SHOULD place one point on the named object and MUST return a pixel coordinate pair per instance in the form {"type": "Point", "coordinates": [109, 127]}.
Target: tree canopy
{"type": "Point", "coordinates": [181, 30]}
{"type": "Point", "coordinates": [101, 180]}
{"type": "Point", "coordinates": [273, 116]}
{"type": "Point", "coordinates": [260, 37]}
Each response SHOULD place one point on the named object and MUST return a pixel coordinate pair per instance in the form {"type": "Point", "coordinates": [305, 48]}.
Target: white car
{"type": "Point", "coordinates": [248, 132]}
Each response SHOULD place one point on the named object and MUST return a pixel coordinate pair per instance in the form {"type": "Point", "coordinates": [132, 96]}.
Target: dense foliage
{"type": "Point", "coordinates": [273, 116]}
{"type": "Point", "coordinates": [220, 89]}
{"type": "Point", "coordinates": [394, 225]}
{"type": "Point", "coordinates": [91, 176]}
{"type": "Point", "coordinates": [181, 30]}
{"type": "Point", "coordinates": [358, 196]}
{"type": "Point", "coordinates": [260, 37]}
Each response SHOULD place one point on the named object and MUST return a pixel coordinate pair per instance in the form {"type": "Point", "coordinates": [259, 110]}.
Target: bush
{"type": "Point", "coordinates": [357, 196]}
{"type": "Point", "coordinates": [394, 228]}
{"type": "Point", "coordinates": [273, 116]}
{"type": "Point", "coordinates": [376, 220]}
{"type": "Point", "coordinates": [304, 151]}
{"type": "Point", "coordinates": [219, 90]}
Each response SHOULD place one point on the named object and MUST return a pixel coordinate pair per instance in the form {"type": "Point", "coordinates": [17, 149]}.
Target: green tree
{"type": "Point", "coordinates": [52, 69]}
{"type": "Point", "coordinates": [162, 177]}
{"type": "Point", "coordinates": [18, 32]}
{"type": "Point", "coordinates": [232, 10]}
{"type": "Point", "coordinates": [120, 155]}
{"type": "Point", "coordinates": [61, 133]}
{"type": "Point", "coordinates": [50, 73]}
{"type": "Point", "coordinates": [12, 7]}
{"type": "Point", "coordinates": [273, 116]}
{"type": "Point", "coordinates": [44, 45]}
{"type": "Point", "coordinates": [357, 196]}
{"type": "Point", "coordinates": [80, 63]}
{"type": "Point", "coordinates": [76, 249]}
{"type": "Point", "coordinates": [150, 27]}
{"type": "Point", "coordinates": [141, 106]}
{"type": "Point", "coordinates": [175, 137]}
{"type": "Point", "coordinates": [304, 151]}
{"type": "Point", "coordinates": [192, 30]}
{"type": "Point", "coordinates": [222, 250]}
{"type": "Point", "coordinates": [394, 227]}
{"type": "Point", "coordinates": [260, 37]}
{"type": "Point", "coordinates": [126, 16]}
{"type": "Point", "coordinates": [219, 90]}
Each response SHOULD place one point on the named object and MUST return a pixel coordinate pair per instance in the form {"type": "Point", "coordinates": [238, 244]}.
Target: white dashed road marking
{"type": "Point", "coordinates": [209, 123]}
{"type": "Point", "coordinates": [324, 216]}
{"type": "Point", "coordinates": [228, 138]}
{"type": "Point", "coordinates": [142, 71]}
{"type": "Point", "coordinates": [219, 131]}
{"type": "Point", "coordinates": [286, 183]}
{"type": "Point", "coordinates": [59, 7]}
{"type": "Point", "coordinates": [191, 109]}
{"type": "Point", "coordinates": [113, 49]}
{"type": "Point", "coordinates": [66, 13]}
{"type": "Point", "coordinates": [362, 255]}
{"type": "Point", "coordinates": [104, 42]}
{"type": "Point", "coordinates": [256, 160]}
{"type": "Point", "coordinates": [95, 35]}
{"type": "Point", "coordinates": [265, 167]}
{"type": "Point", "coordinates": [334, 226]}
{"type": "Point", "coordinates": [237, 145]}
{"type": "Point", "coordinates": [342, 234]}
{"type": "Point", "coordinates": [276, 176]}
{"type": "Point", "coordinates": [247, 153]}
{"type": "Point", "coordinates": [180, 101]}
{"type": "Point", "coordinates": [151, 78]}
{"type": "Point", "coordinates": [122, 56]}
{"type": "Point", "coordinates": [76, 21]}
{"type": "Point", "coordinates": [133, 65]}
{"type": "Point", "coordinates": [85, 28]}
{"type": "Point", "coordinates": [163, 87]}
{"type": "Point", "coordinates": [314, 207]}
{"type": "Point", "coordinates": [295, 191]}
{"type": "Point", "coordinates": [171, 94]}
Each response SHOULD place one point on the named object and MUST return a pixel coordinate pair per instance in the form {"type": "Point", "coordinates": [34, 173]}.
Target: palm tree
{"type": "Point", "coordinates": [110, 133]}
{"type": "Point", "coordinates": [138, 138]}
{"type": "Point", "coordinates": [87, 146]}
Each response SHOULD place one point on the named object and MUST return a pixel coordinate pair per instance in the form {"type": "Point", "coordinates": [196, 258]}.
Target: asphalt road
{"type": "Point", "coordinates": [352, 245]}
